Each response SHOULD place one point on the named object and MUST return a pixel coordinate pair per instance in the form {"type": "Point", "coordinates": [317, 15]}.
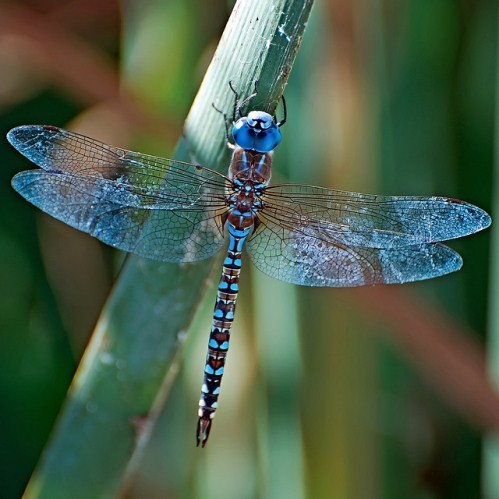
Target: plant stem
{"type": "Point", "coordinates": [136, 349]}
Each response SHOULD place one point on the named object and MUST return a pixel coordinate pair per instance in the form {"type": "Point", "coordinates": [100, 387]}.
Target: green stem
{"type": "Point", "coordinates": [128, 368]}
{"type": "Point", "coordinates": [491, 441]}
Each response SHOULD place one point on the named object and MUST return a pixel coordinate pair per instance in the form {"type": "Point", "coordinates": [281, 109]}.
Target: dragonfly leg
{"type": "Point", "coordinates": [238, 106]}
{"type": "Point", "coordinates": [230, 145]}
{"type": "Point", "coordinates": [235, 107]}
{"type": "Point", "coordinates": [280, 123]}
{"type": "Point", "coordinates": [236, 110]}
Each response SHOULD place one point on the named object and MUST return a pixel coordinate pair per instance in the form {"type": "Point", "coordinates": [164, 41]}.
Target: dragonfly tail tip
{"type": "Point", "coordinates": [203, 431]}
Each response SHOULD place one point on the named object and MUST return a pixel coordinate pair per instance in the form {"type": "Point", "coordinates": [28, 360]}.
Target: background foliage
{"type": "Point", "coordinates": [329, 393]}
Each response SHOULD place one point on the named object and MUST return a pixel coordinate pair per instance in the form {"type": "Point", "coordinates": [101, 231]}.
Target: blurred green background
{"type": "Point", "coordinates": [369, 393]}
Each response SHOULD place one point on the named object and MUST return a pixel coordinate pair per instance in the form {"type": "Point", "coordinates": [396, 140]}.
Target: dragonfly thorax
{"type": "Point", "coordinates": [250, 166]}
{"type": "Point", "coordinates": [257, 132]}
{"type": "Point", "coordinates": [243, 203]}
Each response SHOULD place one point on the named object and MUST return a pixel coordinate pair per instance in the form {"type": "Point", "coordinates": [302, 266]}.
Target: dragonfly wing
{"type": "Point", "coordinates": [158, 181]}
{"type": "Point", "coordinates": [154, 207]}
{"type": "Point", "coordinates": [93, 206]}
{"type": "Point", "coordinates": [308, 258]}
{"type": "Point", "coordinates": [370, 221]}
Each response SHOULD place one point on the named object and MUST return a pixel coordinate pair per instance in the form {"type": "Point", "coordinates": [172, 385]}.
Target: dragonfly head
{"type": "Point", "coordinates": [257, 132]}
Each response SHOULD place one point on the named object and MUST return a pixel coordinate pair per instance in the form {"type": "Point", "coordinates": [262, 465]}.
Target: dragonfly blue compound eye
{"type": "Point", "coordinates": [257, 132]}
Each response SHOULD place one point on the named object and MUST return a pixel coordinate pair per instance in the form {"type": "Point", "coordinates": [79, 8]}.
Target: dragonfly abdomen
{"type": "Point", "coordinates": [218, 345]}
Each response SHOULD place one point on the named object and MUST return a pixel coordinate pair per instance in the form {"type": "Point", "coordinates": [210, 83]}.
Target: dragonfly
{"type": "Point", "coordinates": [176, 211]}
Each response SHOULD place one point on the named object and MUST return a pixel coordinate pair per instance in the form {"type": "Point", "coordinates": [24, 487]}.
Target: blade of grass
{"type": "Point", "coordinates": [490, 475]}
{"type": "Point", "coordinates": [135, 352]}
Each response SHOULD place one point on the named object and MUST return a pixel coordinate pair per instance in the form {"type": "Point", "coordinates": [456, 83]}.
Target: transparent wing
{"type": "Point", "coordinates": [309, 258]}
{"type": "Point", "coordinates": [370, 221]}
{"type": "Point", "coordinates": [155, 207]}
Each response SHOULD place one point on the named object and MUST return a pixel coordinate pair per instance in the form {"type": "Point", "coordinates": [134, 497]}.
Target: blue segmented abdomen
{"type": "Point", "coordinates": [218, 344]}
